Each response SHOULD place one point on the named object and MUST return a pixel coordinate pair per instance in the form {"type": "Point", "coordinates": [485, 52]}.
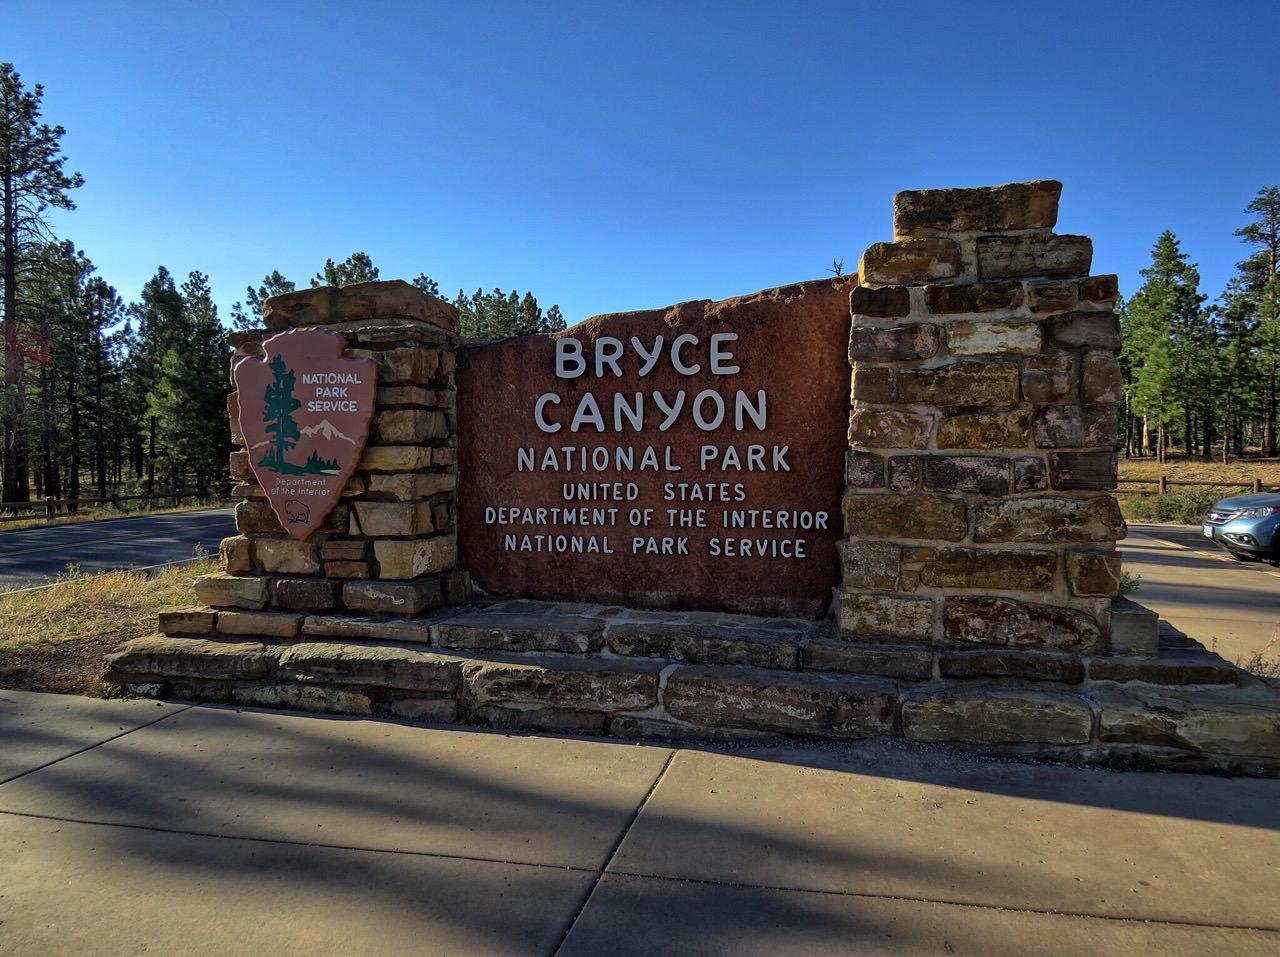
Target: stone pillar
{"type": "Point", "coordinates": [983, 432]}
{"type": "Point", "coordinates": [390, 546]}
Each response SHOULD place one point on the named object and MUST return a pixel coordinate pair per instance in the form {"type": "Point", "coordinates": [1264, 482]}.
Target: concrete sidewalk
{"type": "Point", "coordinates": [131, 827]}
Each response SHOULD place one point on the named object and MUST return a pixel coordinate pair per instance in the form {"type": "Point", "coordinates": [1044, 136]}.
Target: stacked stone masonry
{"type": "Point", "coordinates": [390, 545]}
{"type": "Point", "coordinates": [982, 433]}
{"type": "Point", "coordinates": [979, 578]}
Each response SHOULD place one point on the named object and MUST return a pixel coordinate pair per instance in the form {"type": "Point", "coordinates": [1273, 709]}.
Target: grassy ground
{"type": "Point", "coordinates": [1188, 505]}
{"type": "Point", "coordinates": [1242, 471]}
{"type": "Point", "coordinates": [54, 639]}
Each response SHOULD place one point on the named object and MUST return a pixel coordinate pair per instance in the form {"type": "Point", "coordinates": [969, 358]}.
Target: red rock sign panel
{"type": "Point", "coordinates": [305, 412]}
{"type": "Point", "coordinates": [687, 458]}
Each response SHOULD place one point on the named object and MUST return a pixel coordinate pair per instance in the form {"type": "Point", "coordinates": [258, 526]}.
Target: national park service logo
{"type": "Point", "coordinates": [304, 412]}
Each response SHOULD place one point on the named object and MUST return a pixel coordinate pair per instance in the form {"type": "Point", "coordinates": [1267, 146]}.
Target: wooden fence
{"type": "Point", "coordinates": [49, 506]}
{"type": "Point", "coordinates": [1164, 483]}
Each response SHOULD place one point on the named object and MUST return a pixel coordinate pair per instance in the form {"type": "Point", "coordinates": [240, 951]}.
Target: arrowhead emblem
{"type": "Point", "coordinates": [304, 412]}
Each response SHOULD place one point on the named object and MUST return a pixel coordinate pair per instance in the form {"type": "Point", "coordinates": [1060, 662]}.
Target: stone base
{"type": "Point", "coordinates": [591, 669]}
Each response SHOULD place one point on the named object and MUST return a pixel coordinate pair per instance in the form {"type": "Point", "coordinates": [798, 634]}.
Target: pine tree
{"type": "Point", "coordinates": [498, 315]}
{"type": "Point", "coordinates": [1167, 339]}
{"type": "Point", "coordinates": [32, 181]}
{"type": "Point", "coordinates": [277, 413]}
{"type": "Point", "coordinates": [357, 267]}
{"type": "Point", "coordinates": [158, 324]}
{"type": "Point", "coordinates": [1255, 295]}
{"type": "Point", "coordinates": [273, 284]}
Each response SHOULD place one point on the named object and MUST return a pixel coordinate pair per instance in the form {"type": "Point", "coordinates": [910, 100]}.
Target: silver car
{"type": "Point", "coordinates": [1248, 526]}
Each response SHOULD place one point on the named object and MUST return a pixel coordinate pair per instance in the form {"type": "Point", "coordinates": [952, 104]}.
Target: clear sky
{"type": "Point", "coordinates": [622, 155]}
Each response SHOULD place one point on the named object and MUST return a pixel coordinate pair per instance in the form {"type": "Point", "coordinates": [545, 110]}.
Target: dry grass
{"type": "Point", "coordinates": [1240, 472]}
{"type": "Point", "coordinates": [53, 639]}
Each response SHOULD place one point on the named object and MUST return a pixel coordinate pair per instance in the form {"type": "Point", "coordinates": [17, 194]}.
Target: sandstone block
{"type": "Point", "coordinates": [1050, 297]}
{"type": "Point", "coordinates": [994, 716]}
{"type": "Point", "coordinates": [1239, 721]}
{"type": "Point", "coordinates": [1085, 330]}
{"type": "Point", "coordinates": [538, 719]}
{"type": "Point", "coordinates": [960, 384]}
{"type": "Point", "coordinates": [1082, 470]}
{"type": "Point", "coordinates": [1067, 426]}
{"type": "Point", "coordinates": [753, 647]}
{"type": "Point", "coordinates": [934, 517]}
{"type": "Point", "coordinates": [889, 302]}
{"type": "Point", "coordinates": [917, 340]}
{"type": "Point", "coordinates": [236, 555]}
{"type": "Point", "coordinates": [413, 364]}
{"type": "Point", "coordinates": [1135, 629]}
{"type": "Point", "coordinates": [442, 457]}
{"type": "Point", "coordinates": [805, 703]}
{"type": "Point", "coordinates": [367, 629]}
{"type": "Point", "coordinates": [409, 559]}
{"type": "Point", "coordinates": [391, 519]}
{"type": "Point", "coordinates": [325, 305]}
{"type": "Point", "coordinates": [239, 467]}
{"type": "Point", "coordinates": [986, 430]}
{"type": "Point", "coordinates": [966, 337]}
{"type": "Point", "coordinates": [1048, 378]}
{"type": "Point", "coordinates": [435, 710]}
{"type": "Point", "coordinates": [377, 666]}
{"type": "Point", "coordinates": [392, 598]}
{"type": "Point", "coordinates": [887, 617]}
{"type": "Point", "coordinates": [909, 262]}
{"type": "Point", "coordinates": [1101, 379]}
{"type": "Point", "coordinates": [303, 698]}
{"type": "Point", "coordinates": [904, 473]}
{"type": "Point", "coordinates": [870, 564]}
{"type": "Point", "coordinates": [343, 569]}
{"type": "Point", "coordinates": [907, 662]}
{"type": "Point", "coordinates": [1014, 257]}
{"type": "Point", "coordinates": [189, 658]}
{"type": "Point", "coordinates": [890, 428]}
{"type": "Point", "coordinates": [493, 631]}
{"type": "Point", "coordinates": [873, 384]}
{"type": "Point", "coordinates": [980, 620]}
{"type": "Point", "coordinates": [584, 684]}
{"type": "Point", "coordinates": [256, 518]}
{"type": "Point", "coordinates": [409, 426]}
{"type": "Point", "coordinates": [457, 588]}
{"type": "Point", "coordinates": [1049, 519]}
{"type": "Point", "coordinates": [863, 469]}
{"type": "Point", "coordinates": [337, 549]}
{"type": "Point", "coordinates": [983, 474]}
{"type": "Point", "coordinates": [1024, 666]}
{"type": "Point", "coordinates": [192, 621]}
{"type": "Point", "coordinates": [976, 297]}
{"type": "Point", "coordinates": [1013, 206]}
{"type": "Point", "coordinates": [233, 416]}
{"type": "Point", "coordinates": [413, 486]}
{"type": "Point", "coordinates": [394, 458]}
{"type": "Point", "coordinates": [227, 591]}
{"type": "Point", "coordinates": [286, 556]}
{"type": "Point", "coordinates": [306, 594]}
{"type": "Point", "coordinates": [998, 569]}
{"type": "Point", "coordinates": [398, 395]}
{"type": "Point", "coordinates": [1094, 574]}
{"type": "Point", "coordinates": [268, 624]}
{"type": "Point", "coordinates": [1100, 289]}
{"type": "Point", "coordinates": [1030, 475]}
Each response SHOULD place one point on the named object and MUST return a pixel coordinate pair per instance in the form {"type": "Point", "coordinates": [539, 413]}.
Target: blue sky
{"type": "Point", "coordinates": [612, 156]}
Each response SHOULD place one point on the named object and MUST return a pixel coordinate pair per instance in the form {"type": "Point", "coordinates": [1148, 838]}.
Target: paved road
{"type": "Point", "coordinates": [1229, 606]}
{"type": "Point", "coordinates": [35, 556]}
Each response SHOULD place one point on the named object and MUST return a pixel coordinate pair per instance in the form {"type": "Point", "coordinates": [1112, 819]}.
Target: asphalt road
{"type": "Point", "coordinates": [35, 556]}
{"type": "Point", "coordinates": [1229, 606]}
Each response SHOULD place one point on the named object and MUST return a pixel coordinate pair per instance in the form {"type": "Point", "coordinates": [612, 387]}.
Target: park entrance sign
{"type": "Point", "coordinates": [682, 458]}
{"type": "Point", "coordinates": [304, 414]}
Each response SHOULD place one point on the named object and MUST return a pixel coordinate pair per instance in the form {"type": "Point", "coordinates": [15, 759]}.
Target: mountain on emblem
{"type": "Point", "coordinates": [305, 410]}
{"type": "Point", "coordinates": [326, 429]}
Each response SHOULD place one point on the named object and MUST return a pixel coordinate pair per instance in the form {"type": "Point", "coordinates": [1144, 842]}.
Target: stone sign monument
{"type": "Point", "coordinates": [877, 505]}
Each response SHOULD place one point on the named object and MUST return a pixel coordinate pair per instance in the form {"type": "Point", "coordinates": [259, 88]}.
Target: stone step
{"type": "Point", "coordinates": [651, 697]}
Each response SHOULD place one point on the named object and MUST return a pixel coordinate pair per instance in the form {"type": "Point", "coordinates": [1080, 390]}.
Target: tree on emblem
{"type": "Point", "coordinates": [278, 414]}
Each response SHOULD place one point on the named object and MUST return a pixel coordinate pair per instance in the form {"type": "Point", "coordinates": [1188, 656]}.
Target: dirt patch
{"type": "Point", "coordinates": [72, 666]}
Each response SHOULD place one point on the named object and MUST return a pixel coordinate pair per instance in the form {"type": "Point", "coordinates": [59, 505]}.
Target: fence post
{"type": "Point", "coordinates": [50, 510]}
{"type": "Point", "coordinates": [1164, 485]}
{"type": "Point", "coordinates": [1257, 485]}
